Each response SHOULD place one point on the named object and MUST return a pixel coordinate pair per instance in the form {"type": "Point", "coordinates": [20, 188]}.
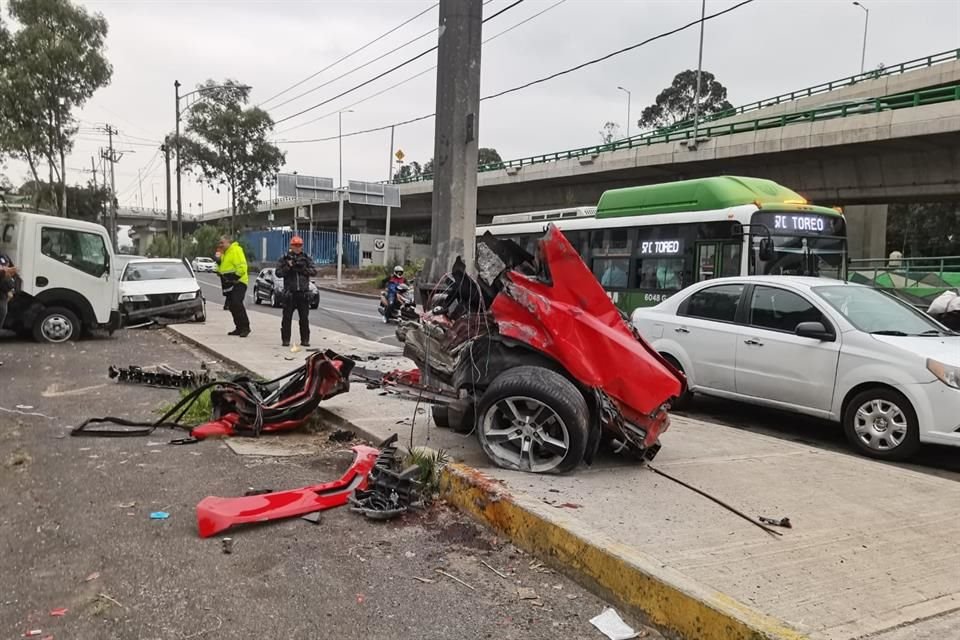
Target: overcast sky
{"type": "Point", "coordinates": [760, 50]}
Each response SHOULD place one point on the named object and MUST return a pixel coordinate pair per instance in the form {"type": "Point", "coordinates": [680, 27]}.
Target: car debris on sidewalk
{"type": "Point", "coordinates": [524, 355]}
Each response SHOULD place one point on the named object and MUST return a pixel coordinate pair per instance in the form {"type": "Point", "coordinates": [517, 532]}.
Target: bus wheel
{"type": "Point", "coordinates": [56, 324]}
{"type": "Point", "coordinates": [533, 419]}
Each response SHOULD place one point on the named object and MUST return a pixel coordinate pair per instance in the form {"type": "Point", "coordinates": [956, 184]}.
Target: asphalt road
{"type": "Point", "coordinates": [76, 532]}
{"type": "Point", "coordinates": [338, 312]}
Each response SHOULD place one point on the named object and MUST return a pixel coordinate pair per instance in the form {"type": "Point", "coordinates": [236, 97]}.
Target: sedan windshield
{"type": "Point", "coordinates": [136, 271]}
{"type": "Point", "coordinates": [875, 312]}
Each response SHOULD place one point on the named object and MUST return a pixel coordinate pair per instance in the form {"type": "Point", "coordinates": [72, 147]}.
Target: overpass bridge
{"type": "Point", "coordinates": [861, 142]}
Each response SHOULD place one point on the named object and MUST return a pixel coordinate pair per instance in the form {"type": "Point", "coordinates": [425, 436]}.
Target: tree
{"type": "Point", "coordinates": [489, 156]}
{"type": "Point", "coordinates": [676, 103]}
{"type": "Point", "coordinates": [49, 67]}
{"type": "Point", "coordinates": [609, 132]}
{"type": "Point", "coordinates": [226, 145]}
{"type": "Point", "coordinates": [918, 230]}
{"type": "Point", "coordinates": [409, 171]}
{"type": "Point", "coordinates": [85, 202]}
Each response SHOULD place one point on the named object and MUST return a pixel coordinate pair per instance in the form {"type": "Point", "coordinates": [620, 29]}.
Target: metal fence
{"type": "Point", "coordinates": [269, 246]}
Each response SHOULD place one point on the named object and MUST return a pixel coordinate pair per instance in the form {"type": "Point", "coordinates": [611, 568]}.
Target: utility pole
{"type": "Point", "coordinates": [176, 141]}
{"type": "Point", "coordinates": [140, 186]}
{"type": "Point", "coordinates": [112, 157]}
{"type": "Point", "coordinates": [866, 22]}
{"type": "Point", "coordinates": [93, 172]}
{"type": "Point", "coordinates": [386, 236]}
{"type": "Point", "coordinates": [456, 136]}
{"type": "Point", "coordinates": [696, 100]}
{"type": "Point", "coordinates": [165, 147]}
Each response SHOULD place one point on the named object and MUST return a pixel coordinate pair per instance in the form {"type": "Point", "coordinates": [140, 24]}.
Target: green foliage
{"type": "Point", "coordinates": [226, 144]}
{"type": "Point", "coordinates": [929, 229]}
{"type": "Point", "coordinates": [49, 68]}
{"type": "Point", "coordinates": [430, 463]}
{"type": "Point", "coordinates": [676, 103]}
{"type": "Point", "coordinates": [486, 156]}
{"type": "Point", "coordinates": [83, 202]}
{"type": "Point", "coordinates": [199, 412]}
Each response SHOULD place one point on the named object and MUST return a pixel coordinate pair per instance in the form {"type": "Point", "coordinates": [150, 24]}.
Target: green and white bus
{"type": "Point", "coordinates": [645, 243]}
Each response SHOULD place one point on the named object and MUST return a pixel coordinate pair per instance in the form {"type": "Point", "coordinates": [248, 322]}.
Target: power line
{"type": "Point", "coordinates": [534, 82]}
{"type": "Point", "coordinates": [425, 71]}
{"type": "Point", "coordinates": [387, 72]}
{"type": "Point", "coordinates": [352, 53]}
{"type": "Point", "coordinates": [362, 66]}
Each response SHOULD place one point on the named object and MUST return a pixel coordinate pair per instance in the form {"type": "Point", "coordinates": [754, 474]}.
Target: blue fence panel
{"type": "Point", "coordinates": [319, 245]}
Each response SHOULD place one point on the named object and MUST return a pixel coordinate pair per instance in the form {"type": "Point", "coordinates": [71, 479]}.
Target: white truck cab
{"type": "Point", "coordinates": [65, 282]}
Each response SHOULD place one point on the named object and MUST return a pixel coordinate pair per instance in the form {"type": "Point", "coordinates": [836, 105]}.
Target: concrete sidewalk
{"type": "Point", "coordinates": [873, 552]}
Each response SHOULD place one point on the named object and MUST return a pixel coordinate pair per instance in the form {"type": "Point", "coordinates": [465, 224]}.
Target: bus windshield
{"type": "Point", "coordinates": [801, 243]}
{"type": "Point", "coordinates": [802, 256]}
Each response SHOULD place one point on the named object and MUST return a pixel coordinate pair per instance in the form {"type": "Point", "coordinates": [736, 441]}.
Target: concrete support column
{"type": "Point", "coordinates": [867, 230]}
{"type": "Point", "coordinates": [456, 132]}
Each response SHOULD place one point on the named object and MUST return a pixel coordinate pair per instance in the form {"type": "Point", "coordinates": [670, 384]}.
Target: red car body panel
{"type": "Point", "coordinates": [572, 320]}
{"type": "Point", "coordinates": [219, 514]}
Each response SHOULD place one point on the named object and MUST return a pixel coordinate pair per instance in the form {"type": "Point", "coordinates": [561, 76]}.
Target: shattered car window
{"type": "Point", "coordinates": [136, 271]}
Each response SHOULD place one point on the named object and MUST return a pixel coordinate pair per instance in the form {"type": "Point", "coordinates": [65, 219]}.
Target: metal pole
{"type": "Point", "coordinates": [310, 244]}
{"type": "Point", "coordinates": [93, 170]}
{"type": "Point", "coordinates": [176, 142]}
{"type": "Point", "coordinates": [866, 21]}
{"type": "Point", "coordinates": [340, 145]}
{"type": "Point", "coordinates": [340, 193]}
{"type": "Point", "coordinates": [140, 186]}
{"type": "Point", "coordinates": [696, 100]}
{"type": "Point", "coordinates": [386, 237]}
{"type": "Point", "coordinates": [629, 100]}
{"type": "Point", "coordinates": [113, 193]}
{"type": "Point", "coordinates": [166, 177]}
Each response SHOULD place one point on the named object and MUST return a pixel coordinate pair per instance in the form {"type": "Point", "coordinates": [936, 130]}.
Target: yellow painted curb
{"type": "Point", "coordinates": [635, 580]}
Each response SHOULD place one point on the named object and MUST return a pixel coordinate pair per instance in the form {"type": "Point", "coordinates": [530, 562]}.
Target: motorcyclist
{"type": "Point", "coordinates": [295, 268]}
{"type": "Point", "coordinates": [390, 284]}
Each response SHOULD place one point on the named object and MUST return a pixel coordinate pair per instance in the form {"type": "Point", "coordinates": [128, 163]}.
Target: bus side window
{"type": "Point", "coordinates": [578, 240]}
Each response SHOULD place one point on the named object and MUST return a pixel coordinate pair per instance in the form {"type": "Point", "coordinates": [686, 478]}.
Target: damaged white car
{"type": "Point", "coordinates": [160, 290]}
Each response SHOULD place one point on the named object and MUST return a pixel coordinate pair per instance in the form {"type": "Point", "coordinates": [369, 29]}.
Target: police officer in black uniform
{"type": "Point", "coordinates": [296, 268]}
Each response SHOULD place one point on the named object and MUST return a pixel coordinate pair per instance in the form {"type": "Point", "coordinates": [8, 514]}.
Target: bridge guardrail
{"type": "Point", "coordinates": [853, 107]}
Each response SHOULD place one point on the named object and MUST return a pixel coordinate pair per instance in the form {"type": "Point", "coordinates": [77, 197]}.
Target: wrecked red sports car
{"type": "Point", "coordinates": [545, 366]}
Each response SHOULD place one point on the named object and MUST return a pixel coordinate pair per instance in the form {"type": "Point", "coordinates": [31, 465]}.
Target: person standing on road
{"type": "Point", "coordinates": [295, 269]}
{"type": "Point", "coordinates": [234, 279]}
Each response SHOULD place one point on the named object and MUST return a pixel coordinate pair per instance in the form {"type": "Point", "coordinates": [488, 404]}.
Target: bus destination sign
{"type": "Point", "coordinates": [806, 224]}
{"type": "Point", "coordinates": [659, 247]}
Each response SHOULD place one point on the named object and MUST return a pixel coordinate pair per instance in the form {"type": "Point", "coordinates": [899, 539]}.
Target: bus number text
{"type": "Point", "coordinates": [657, 247]}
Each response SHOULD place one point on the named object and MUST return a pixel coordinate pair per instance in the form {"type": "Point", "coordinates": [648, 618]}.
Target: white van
{"type": "Point", "coordinates": [65, 283]}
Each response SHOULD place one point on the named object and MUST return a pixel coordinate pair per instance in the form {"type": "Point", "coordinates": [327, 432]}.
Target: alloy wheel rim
{"type": "Point", "coordinates": [527, 433]}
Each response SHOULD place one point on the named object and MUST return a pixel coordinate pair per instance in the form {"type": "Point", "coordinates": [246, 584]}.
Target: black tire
{"type": "Point", "coordinates": [870, 432]}
{"type": "Point", "coordinates": [315, 306]}
{"type": "Point", "coordinates": [56, 325]}
{"type": "Point", "coordinates": [256, 296]}
{"type": "Point", "coordinates": [686, 398]}
{"type": "Point", "coordinates": [274, 302]}
{"type": "Point", "coordinates": [532, 386]}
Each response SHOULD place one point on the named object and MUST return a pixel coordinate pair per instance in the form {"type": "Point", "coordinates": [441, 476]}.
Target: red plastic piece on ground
{"type": "Point", "coordinates": [572, 320]}
{"type": "Point", "coordinates": [59, 612]}
{"type": "Point", "coordinates": [215, 428]}
{"type": "Point", "coordinates": [218, 514]}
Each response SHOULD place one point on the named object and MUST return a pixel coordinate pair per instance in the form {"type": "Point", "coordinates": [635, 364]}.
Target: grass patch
{"type": "Point", "coordinates": [200, 411]}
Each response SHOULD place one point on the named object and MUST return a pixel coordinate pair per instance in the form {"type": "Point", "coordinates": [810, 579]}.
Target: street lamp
{"type": "Point", "coordinates": [866, 21]}
{"type": "Point", "coordinates": [629, 98]}
{"type": "Point", "coordinates": [176, 142]}
{"type": "Point", "coordinates": [696, 98]}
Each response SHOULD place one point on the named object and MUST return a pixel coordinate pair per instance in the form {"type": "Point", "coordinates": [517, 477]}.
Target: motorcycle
{"type": "Point", "coordinates": [404, 307]}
